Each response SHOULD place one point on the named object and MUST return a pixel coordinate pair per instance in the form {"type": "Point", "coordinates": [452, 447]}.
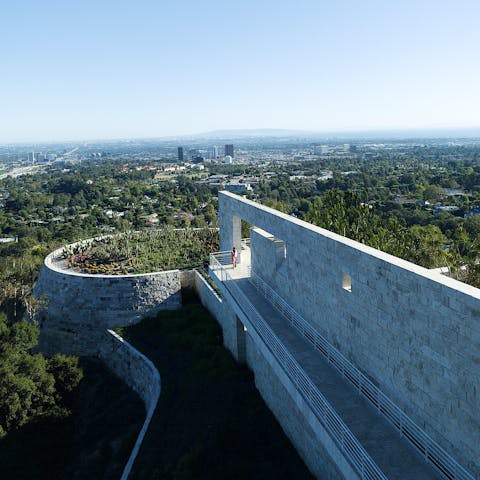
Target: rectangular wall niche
{"type": "Point", "coordinates": [347, 282]}
{"type": "Point", "coordinates": [280, 252]}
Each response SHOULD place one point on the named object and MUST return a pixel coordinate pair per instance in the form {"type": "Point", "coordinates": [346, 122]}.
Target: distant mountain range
{"type": "Point", "coordinates": [263, 134]}
{"type": "Point", "coordinates": [255, 132]}
{"type": "Point", "coordinates": [365, 134]}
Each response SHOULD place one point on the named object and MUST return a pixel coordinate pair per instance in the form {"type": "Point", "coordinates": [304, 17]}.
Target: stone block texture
{"type": "Point", "coordinates": [300, 424]}
{"type": "Point", "coordinates": [84, 303]}
{"type": "Point", "coordinates": [414, 332]}
{"type": "Point", "coordinates": [79, 311]}
{"type": "Point", "coordinates": [224, 315]}
{"type": "Point", "coordinates": [309, 437]}
{"type": "Point", "coordinates": [137, 371]}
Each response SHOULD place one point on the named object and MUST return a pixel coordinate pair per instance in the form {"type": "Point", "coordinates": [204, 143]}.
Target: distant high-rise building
{"type": "Point", "coordinates": [180, 154]}
{"type": "Point", "coordinates": [229, 149]}
{"type": "Point", "coordinates": [320, 149]}
{"type": "Point", "coordinates": [214, 152]}
{"type": "Point", "coordinates": [35, 157]}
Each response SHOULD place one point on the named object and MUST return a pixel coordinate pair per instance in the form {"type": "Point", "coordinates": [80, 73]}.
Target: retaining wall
{"type": "Point", "coordinates": [414, 332]}
{"type": "Point", "coordinates": [88, 304]}
{"type": "Point", "coordinates": [80, 309]}
{"type": "Point", "coordinates": [313, 443]}
{"type": "Point", "coordinates": [311, 440]}
{"type": "Point", "coordinates": [224, 315]}
{"type": "Point", "coordinates": [139, 373]}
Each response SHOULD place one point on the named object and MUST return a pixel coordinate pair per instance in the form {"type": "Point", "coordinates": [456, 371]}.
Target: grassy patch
{"type": "Point", "coordinates": [211, 422]}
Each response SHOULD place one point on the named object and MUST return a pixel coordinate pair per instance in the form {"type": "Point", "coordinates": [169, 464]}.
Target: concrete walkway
{"type": "Point", "coordinates": [394, 455]}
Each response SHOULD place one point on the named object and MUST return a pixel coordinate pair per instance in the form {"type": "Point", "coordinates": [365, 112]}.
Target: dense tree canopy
{"type": "Point", "coordinates": [31, 385]}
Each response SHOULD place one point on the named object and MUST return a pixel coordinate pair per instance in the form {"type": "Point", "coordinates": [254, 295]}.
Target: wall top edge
{"type": "Point", "coordinates": [50, 265]}
{"type": "Point", "coordinates": [433, 274]}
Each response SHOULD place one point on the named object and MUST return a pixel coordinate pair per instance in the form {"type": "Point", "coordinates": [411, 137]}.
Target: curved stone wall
{"type": "Point", "coordinates": [140, 374]}
{"type": "Point", "coordinates": [81, 308]}
{"type": "Point", "coordinates": [85, 305]}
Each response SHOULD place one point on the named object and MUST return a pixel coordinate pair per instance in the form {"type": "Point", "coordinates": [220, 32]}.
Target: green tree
{"type": "Point", "coordinates": [31, 385]}
{"type": "Point", "coordinates": [67, 376]}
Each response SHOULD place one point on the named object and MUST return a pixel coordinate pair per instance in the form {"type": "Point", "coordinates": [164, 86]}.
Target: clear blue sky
{"type": "Point", "coordinates": [146, 68]}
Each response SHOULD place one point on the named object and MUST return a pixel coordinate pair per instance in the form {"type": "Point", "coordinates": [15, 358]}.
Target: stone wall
{"type": "Point", "coordinates": [81, 308]}
{"type": "Point", "coordinates": [77, 326]}
{"type": "Point", "coordinates": [414, 332]}
{"type": "Point", "coordinates": [89, 304]}
{"type": "Point", "coordinates": [312, 442]}
{"type": "Point", "coordinates": [224, 315]}
{"type": "Point", "coordinates": [133, 367]}
{"type": "Point", "coordinates": [139, 373]}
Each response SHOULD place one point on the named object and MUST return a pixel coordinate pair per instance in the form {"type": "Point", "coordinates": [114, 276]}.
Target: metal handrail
{"type": "Point", "coordinates": [343, 437]}
{"type": "Point", "coordinates": [432, 452]}
{"type": "Point", "coordinates": [245, 243]}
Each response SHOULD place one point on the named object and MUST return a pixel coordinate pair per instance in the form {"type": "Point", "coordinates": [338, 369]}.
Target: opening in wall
{"type": "Point", "coordinates": [280, 252]}
{"type": "Point", "coordinates": [347, 282]}
{"type": "Point", "coordinates": [246, 229]}
{"type": "Point", "coordinates": [241, 341]}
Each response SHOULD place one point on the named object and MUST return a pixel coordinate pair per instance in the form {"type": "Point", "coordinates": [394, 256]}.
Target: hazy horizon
{"type": "Point", "coordinates": [115, 69]}
{"type": "Point", "coordinates": [232, 134]}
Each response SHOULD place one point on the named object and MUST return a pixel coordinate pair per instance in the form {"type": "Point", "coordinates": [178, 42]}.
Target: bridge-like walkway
{"type": "Point", "coordinates": [395, 457]}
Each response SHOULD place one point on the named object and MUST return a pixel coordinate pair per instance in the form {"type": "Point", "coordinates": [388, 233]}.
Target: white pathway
{"type": "Point", "coordinates": [393, 454]}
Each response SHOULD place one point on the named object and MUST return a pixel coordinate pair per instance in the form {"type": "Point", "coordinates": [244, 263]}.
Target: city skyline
{"type": "Point", "coordinates": [110, 70]}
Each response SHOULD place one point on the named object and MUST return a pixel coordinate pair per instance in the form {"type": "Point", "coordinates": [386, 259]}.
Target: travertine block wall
{"type": "Point", "coordinates": [305, 431]}
{"type": "Point", "coordinates": [313, 443]}
{"type": "Point", "coordinates": [222, 312]}
{"type": "Point", "coordinates": [133, 367]}
{"type": "Point", "coordinates": [414, 332]}
{"type": "Point", "coordinates": [80, 302]}
{"type": "Point", "coordinates": [79, 310]}
{"type": "Point", "coordinates": [139, 373]}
